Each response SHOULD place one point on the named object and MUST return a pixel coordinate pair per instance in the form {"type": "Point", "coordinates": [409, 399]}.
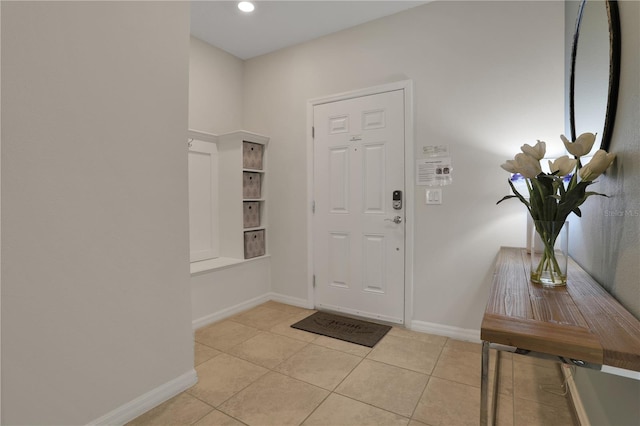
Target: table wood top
{"type": "Point", "coordinates": [580, 320]}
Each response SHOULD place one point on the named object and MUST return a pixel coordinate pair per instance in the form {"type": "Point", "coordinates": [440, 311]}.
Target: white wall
{"type": "Point", "coordinates": [95, 269]}
{"type": "Point", "coordinates": [215, 89]}
{"type": "Point", "coordinates": [487, 80]}
{"type": "Point", "coordinates": [606, 240]}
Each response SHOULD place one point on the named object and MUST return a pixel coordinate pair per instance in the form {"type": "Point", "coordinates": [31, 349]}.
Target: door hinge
{"type": "Point", "coordinates": [314, 280]}
{"type": "Point", "coordinates": [313, 131]}
{"type": "Point", "coordinates": [313, 207]}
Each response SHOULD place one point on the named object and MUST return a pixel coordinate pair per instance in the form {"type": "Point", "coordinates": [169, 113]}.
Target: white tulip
{"type": "Point", "coordinates": [582, 145]}
{"type": "Point", "coordinates": [598, 164]}
{"type": "Point", "coordinates": [510, 166]}
{"type": "Point", "coordinates": [527, 166]}
{"type": "Point", "coordinates": [563, 165]}
{"type": "Point", "coordinates": [536, 151]}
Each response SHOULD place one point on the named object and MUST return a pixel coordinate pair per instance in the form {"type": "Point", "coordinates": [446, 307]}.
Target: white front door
{"type": "Point", "coordinates": [359, 237]}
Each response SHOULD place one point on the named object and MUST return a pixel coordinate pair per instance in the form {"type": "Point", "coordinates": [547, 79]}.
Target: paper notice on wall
{"type": "Point", "coordinates": [435, 150]}
{"type": "Point", "coordinates": [433, 171]}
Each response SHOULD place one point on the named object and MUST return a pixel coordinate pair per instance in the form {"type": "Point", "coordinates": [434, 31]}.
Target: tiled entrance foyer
{"type": "Point", "coordinates": [254, 369]}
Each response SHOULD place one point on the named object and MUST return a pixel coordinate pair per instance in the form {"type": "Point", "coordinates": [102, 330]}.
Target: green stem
{"type": "Point", "coordinates": [548, 261]}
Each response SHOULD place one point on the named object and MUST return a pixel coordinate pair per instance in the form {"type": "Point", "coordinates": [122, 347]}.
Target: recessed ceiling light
{"type": "Point", "coordinates": [246, 6]}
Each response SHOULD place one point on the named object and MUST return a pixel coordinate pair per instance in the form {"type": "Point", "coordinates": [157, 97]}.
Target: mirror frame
{"type": "Point", "coordinates": [614, 72]}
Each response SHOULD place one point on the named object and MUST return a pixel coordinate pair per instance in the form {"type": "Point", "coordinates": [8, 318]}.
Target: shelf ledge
{"type": "Point", "coordinates": [219, 263]}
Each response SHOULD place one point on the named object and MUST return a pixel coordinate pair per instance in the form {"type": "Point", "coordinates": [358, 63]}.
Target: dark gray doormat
{"type": "Point", "coordinates": [348, 329]}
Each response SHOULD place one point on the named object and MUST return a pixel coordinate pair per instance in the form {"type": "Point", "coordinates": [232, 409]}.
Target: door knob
{"type": "Point", "coordinates": [396, 219]}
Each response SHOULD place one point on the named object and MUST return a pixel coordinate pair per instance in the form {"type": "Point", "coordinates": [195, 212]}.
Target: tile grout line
{"type": "Point", "coordinates": [330, 392]}
{"type": "Point", "coordinates": [366, 357]}
{"type": "Point", "coordinates": [430, 375]}
{"type": "Point", "coordinates": [317, 406]}
{"type": "Point", "coordinates": [269, 370]}
{"type": "Point", "coordinates": [341, 381]}
{"type": "Point", "coordinates": [512, 367]}
{"type": "Point", "coordinates": [413, 413]}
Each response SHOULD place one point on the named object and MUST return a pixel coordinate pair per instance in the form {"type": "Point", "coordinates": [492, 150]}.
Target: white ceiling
{"type": "Point", "coordinates": [274, 25]}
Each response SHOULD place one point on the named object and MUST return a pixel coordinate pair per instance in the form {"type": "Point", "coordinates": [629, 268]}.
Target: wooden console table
{"type": "Point", "coordinates": [580, 323]}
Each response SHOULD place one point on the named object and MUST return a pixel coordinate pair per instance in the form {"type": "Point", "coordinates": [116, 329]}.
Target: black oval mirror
{"type": "Point", "coordinates": [595, 70]}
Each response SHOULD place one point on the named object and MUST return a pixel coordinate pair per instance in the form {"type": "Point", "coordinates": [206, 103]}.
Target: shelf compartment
{"type": "Point", "coordinates": [251, 214]}
{"type": "Point", "coordinates": [251, 185]}
{"type": "Point", "coordinates": [252, 154]}
{"type": "Point", "coordinates": [254, 243]}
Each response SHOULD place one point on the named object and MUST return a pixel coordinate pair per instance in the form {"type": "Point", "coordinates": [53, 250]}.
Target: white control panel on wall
{"type": "Point", "coordinates": [433, 196]}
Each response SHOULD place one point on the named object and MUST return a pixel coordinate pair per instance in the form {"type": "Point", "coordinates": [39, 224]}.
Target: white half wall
{"type": "Point", "coordinates": [96, 308]}
{"type": "Point", "coordinates": [220, 293]}
{"type": "Point", "coordinates": [486, 80]}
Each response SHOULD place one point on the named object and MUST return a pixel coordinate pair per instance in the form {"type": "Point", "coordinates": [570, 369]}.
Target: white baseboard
{"type": "Point", "coordinates": [578, 406]}
{"type": "Point", "coordinates": [232, 310]}
{"type": "Point", "coordinates": [468, 335]}
{"type": "Point", "coordinates": [464, 334]}
{"type": "Point", "coordinates": [149, 400]}
{"type": "Point", "coordinates": [294, 301]}
{"type": "Point", "coordinates": [157, 396]}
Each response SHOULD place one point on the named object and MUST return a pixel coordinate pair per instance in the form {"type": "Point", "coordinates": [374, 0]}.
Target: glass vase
{"type": "Point", "coordinates": [549, 253]}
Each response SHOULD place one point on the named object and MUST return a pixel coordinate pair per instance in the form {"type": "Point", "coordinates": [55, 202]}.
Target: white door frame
{"type": "Point", "coordinates": [409, 184]}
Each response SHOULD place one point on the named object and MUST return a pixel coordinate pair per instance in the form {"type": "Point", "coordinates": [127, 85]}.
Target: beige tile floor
{"type": "Point", "coordinates": [254, 369]}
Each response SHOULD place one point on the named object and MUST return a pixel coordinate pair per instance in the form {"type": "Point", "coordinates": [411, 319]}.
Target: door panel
{"type": "Point", "coordinates": [373, 179]}
{"type": "Point", "coordinates": [359, 251]}
{"type": "Point", "coordinates": [339, 260]}
{"type": "Point", "coordinates": [339, 179]}
{"type": "Point", "coordinates": [373, 264]}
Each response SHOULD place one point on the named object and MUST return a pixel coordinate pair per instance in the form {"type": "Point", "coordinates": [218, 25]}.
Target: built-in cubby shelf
{"type": "Point", "coordinates": [243, 190]}
{"type": "Point", "coordinates": [227, 198]}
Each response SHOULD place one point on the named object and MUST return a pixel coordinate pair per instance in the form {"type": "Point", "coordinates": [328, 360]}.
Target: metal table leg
{"type": "Point", "coordinates": [484, 385]}
{"type": "Point", "coordinates": [487, 411]}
